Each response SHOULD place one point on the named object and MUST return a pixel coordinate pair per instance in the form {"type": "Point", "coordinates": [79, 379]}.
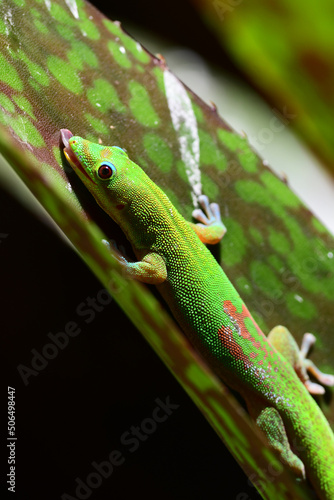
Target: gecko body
{"type": "Point", "coordinates": [269, 372]}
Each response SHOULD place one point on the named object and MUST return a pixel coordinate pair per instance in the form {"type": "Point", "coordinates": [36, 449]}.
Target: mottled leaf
{"type": "Point", "coordinates": [63, 65]}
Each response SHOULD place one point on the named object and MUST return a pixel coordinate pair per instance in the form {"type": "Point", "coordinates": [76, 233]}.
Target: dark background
{"type": "Point", "coordinates": [74, 411]}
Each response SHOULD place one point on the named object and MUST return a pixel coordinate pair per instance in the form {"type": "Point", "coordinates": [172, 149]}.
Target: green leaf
{"type": "Point", "coordinates": [286, 49]}
{"type": "Point", "coordinates": [75, 69]}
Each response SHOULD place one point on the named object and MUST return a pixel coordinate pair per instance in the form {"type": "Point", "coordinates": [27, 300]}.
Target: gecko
{"type": "Point", "coordinates": [269, 372]}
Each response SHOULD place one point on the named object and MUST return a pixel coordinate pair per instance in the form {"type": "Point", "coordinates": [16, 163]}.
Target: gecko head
{"type": "Point", "coordinates": [107, 172]}
{"type": "Point", "coordinates": [92, 162]}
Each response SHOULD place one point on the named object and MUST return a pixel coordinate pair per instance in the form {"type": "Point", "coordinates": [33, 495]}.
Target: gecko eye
{"type": "Point", "coordinates": [106, 170]}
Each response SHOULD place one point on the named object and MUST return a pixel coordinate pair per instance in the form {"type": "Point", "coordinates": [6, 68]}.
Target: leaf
{"type": "Point", "coordinates": [66, 66]}
{"type": "Point", "coordinates": [272, 44]}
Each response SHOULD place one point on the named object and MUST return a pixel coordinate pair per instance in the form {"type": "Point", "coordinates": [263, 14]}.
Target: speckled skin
{"type": "Point", "coordinates": [210, 311]}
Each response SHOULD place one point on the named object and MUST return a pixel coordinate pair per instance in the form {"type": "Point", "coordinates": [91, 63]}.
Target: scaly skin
{"type": "Point", "coordinates": [211, 313]}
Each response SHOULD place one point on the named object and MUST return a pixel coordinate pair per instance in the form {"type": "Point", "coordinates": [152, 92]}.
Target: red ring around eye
{"type": "Point", "coordinates": [105, 171]}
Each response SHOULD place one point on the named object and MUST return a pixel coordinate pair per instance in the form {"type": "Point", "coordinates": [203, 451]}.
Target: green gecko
{"type": "Point", "coordinates": [270, 372]}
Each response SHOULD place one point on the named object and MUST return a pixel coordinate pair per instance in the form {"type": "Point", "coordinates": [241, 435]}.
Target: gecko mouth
{"type": "Point", "coordinates": [70, 155]}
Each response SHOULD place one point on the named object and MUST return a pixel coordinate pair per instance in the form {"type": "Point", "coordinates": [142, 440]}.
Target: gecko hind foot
{"type": "Point", "coordinates": [324, 378]}
{"type": "Point", "coordinates": [271, 423]}
{"type": "Point", "coordinates": [285, 343]}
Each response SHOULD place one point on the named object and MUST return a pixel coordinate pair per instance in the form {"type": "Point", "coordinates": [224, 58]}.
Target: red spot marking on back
{"type": "Point", "coordinates": [229, 342]}
{"type": "Point", "coordinates": [225, 335]}
{"type": "Point", "coordinates": [239, 320]}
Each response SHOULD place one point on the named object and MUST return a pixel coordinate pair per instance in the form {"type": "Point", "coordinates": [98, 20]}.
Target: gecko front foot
{"type": "Point", "coordinates": [119, 254]}
{"type": "Point", "coordinates": [210, 228]}
{"type": "Point", "coordinates": [151, 269]}
{"type": "Point", "coordinates": [209, 214]}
